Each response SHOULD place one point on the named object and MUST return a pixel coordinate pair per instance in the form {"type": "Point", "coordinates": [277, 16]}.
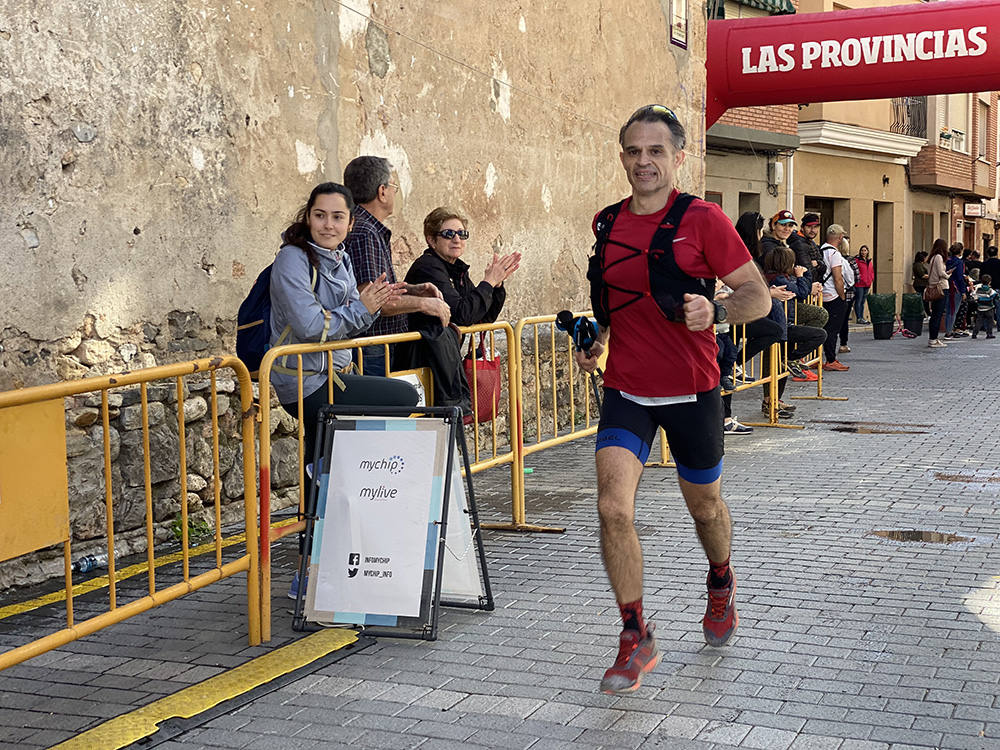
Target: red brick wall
{"type": "Point", "coordinates": [782, 118]}
{"type": "Point", "coordinates": [944, 162]}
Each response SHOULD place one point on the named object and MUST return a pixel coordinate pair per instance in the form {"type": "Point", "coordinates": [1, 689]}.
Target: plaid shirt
{"type": "Point", "coordinates": [371, 256]}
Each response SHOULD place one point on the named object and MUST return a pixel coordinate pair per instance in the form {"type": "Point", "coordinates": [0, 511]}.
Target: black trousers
{"type": "Point", "coordinates": [362, 390]}
{"type": "Point", "coordinates": [837, 309]}
{"type": "Point", "coordinates": [937, 313]}
{"type": "Point", "coordinates": [760, 334]}
{"type": "Point", "coordinates": [801, 341]}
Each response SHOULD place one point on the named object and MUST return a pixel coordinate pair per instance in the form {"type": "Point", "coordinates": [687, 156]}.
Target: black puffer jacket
{"type": "Point", "coordinates": [807, 251]}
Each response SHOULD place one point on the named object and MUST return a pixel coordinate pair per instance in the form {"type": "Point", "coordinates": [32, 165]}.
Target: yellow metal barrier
{"type": "Point", "coordinates": [34, 512]}
{"type": "Point", "coordinates": [752, 376]}
{"type": "Point", "coordinates": [817, 362]}
{"type": "Point", "coordinates": [578, 423]}
{"type": "Point", "coordinates": [479, 461]}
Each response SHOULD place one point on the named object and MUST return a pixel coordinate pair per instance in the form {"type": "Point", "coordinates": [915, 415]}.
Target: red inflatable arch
{"type": "Point", "coordinates": [906, 50]}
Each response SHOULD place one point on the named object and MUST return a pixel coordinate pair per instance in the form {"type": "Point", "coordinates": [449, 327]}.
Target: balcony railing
{"type": "Point", "coordinates": [909, 116]}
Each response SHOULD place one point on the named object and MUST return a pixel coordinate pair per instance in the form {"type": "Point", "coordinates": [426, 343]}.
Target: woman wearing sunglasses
{"type": "Point", "coordinates": [446, 232]}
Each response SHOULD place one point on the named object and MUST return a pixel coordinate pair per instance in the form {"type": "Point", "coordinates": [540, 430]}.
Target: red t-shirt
{"type": "Point", "coordinates": [649, 355]}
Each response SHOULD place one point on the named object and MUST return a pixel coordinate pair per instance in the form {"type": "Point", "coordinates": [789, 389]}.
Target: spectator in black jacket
{"type": "Point", "coordinates": [442, 265]}
{"type": "Point", "coordinates": [808, 255]}
{"type": "Point", "coordinates": [992, 266]}
{"type": "Point", "coordinates": [807, 252]}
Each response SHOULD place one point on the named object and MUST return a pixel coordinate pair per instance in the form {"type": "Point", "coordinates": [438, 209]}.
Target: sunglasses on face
{"type": "Point", "coordinates": [450, 234]}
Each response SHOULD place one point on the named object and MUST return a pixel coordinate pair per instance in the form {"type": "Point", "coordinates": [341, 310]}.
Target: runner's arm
{"type": "Point", "coordinates": [749, 300]}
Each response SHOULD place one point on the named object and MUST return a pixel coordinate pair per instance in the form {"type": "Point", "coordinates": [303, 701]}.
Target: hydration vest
{"type": "Point", "coordinates": [667, 282]}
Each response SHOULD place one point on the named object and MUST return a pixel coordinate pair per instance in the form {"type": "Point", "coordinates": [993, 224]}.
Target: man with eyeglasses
{"type": "Point", "coordinates": [657, 256]}
{"type": "Point", "coordinates": [369, 178]}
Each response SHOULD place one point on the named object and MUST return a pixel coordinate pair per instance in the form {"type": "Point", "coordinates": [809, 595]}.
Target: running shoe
{"type": "Point", "coordinates": [836, 366]}
{"type": "Point", "coordinates": [810, 375]}
{"type": "Point", "coordinates": [796, 371]}
{"type": "Point", "coordinates": [863, 322]}
{"type": "Point", "coordinates": [636, 656]}
{"type": "Point", "coordinates": [786, 407]}
{"type": "Point", "coordinates": [726, 383]}
{"type": "Point", "coordinates": [721, 618]}
{"type": "Point", "coordinates": [844, 349]}
{"type": "Point", "coordinates": [936, 344]}
{"type": "Point", "coordinates": [732, 427]}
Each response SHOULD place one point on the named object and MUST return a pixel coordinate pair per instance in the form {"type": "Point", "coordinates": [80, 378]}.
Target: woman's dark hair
{"type": "Point", "coordinates": [940, 248]}
{"type": "Point", "coordinates": [298, 231]}
{"type": "Point", "coordinates": [920, 257]}
{"type": "Point", "coordinates": [779, 260]}
{"type": "Point", "coordinates": [748, 227]}
{"type": "Point", "coordinates": [956, 249]}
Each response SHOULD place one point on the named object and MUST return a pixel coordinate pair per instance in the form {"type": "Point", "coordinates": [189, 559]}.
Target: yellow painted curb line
{"type": "Point", "coordinates": [102, 582]}
{"type": "Point", "coordinates": [191, 701]}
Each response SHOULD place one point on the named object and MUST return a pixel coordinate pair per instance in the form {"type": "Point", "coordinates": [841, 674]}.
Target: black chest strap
{"type": "Point", "coordinates": [667, 282]}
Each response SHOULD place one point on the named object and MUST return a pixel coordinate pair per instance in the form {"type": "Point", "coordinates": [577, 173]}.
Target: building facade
{"type": "Point", "coordinates": [897, 173]}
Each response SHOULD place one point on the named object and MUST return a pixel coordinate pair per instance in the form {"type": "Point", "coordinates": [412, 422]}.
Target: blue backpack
{"type": "Point", "coordinates": [253, 322]}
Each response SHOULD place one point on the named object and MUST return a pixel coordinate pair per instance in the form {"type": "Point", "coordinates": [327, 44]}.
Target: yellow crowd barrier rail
{"type": "Point", "coordinates": [550, 369]}
{"type": "Point", "coordinates": [816, 360]}
{"type": "Point", "coordinates": [487, 451]}
{"type": "Point", "coordinates": [34, 506]}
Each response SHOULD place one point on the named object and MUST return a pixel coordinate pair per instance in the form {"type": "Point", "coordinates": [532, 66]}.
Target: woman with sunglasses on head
{"type": "Point", "coordinates": [446, 232]}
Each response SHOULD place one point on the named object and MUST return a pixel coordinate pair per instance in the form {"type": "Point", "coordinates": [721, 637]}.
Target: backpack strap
{"type": "Point", "coordinates": [284, 368]}
{"type": "Point", "coordinates": [668, 282]}
{"type": "Point", "coordinates": [595, 266]}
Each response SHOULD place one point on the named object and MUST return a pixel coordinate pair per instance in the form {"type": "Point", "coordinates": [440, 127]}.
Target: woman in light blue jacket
{"type": "Point", "coordinates": [314, 298]}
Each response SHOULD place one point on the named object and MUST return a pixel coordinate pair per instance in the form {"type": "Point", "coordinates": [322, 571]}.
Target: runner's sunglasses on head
{"type": "Point", "coordinates": [654, 109]}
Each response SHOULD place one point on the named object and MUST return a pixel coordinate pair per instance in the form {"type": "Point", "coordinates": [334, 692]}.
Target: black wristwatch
{"type": "Point", "coordinates": [720, 312]}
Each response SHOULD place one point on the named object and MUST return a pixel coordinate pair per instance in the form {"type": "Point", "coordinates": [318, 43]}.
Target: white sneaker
{"type": "Point", "coordinates": [732, 427]}
{"type": "Point", "coordinates": [936, 344]}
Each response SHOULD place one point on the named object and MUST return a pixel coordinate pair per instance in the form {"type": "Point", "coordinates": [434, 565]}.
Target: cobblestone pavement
{"type": "Point", "coordinates": [847, 640]}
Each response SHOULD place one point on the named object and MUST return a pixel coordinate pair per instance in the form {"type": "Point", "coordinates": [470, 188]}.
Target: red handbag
{"type": "Point", "coordinates": [484, 386]}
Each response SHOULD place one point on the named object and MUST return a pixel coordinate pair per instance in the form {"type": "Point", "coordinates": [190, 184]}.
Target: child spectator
{"type": "Point", "coordinates": [727, 356]}
{"type": "Point", "coordinates": [986, 302]}
{"type": "Point", "coordinates": [788, 279]}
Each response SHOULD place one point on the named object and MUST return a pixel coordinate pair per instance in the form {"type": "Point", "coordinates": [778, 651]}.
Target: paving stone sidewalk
{"type": "Point", "coordinates": [847, 641]}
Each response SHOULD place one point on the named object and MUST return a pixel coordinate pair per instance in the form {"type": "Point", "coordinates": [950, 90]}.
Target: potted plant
{"type": "Point", "coordinates": [913, 313]}
{"type": "Point", "coordinates": [882, 310]}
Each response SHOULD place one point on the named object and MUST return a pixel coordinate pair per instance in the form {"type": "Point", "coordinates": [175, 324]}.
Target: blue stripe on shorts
{"type": "Point", "coordinates": [699, 476]}
{"type": "Point", "coordinates": [622, 438]}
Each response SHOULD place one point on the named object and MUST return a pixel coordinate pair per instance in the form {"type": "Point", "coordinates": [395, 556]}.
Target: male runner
{"type": "Point", "coordinates": [662, 370]}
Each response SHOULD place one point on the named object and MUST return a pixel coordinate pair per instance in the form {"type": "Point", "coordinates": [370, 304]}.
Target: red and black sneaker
{"type": "Point", "coordinates": [721, 618]}
{"type": "Point", "coordinates": [636, 655]}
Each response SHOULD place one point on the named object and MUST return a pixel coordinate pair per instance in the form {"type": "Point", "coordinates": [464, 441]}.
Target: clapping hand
{"type": "Point", "coordinates": [500, 268]}
{"type": "Point", "coordinates": [380, 292]}
{"type": "Point", "coordinates": [782, 294]}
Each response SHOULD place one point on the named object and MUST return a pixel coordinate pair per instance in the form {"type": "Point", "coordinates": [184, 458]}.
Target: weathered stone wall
{"type": "Point", "coordinates": [151, 153]}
